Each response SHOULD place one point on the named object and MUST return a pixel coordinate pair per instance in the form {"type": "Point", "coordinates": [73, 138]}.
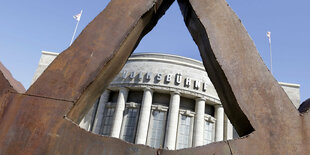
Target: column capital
{"type": "Point", "coordinates": [200, 99]}
{"type": "Point", "coordinates": [218, 106]}
{"type": "Point", "coordinates": [175, 92]}
{"type": "Point", "coordinates": [123, 89]}
{"type": "Point", "coordinates": [148, 89]}
{"type": "Point", "coordinates": [105, 94]}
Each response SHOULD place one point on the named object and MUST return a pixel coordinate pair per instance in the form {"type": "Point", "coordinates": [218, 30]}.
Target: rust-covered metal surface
{"type": "Point", "coordinates": [42, 120]}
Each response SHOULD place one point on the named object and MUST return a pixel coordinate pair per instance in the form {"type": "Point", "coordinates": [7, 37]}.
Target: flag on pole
{"type": "Point", "coordinates": [269, 35]}
{"type": "Point", "coordinates": [78, 16]}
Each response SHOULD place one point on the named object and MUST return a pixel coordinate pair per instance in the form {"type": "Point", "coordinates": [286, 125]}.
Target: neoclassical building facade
{"type": "Point", "coordinates": [161, 100]}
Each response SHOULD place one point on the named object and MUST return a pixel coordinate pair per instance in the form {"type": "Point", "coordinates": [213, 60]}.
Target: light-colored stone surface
{"type": "Point", "coordinates": [228, 129]}
{"type": "Point", "coordinates": [293, 92]}
{"type": "Point", "coordinates": [99, 114]}
{"type": "Point", "coordinates": [119, 110]}
{"type": "Point", "coordinates": [219, 126]}
{"type": "Point", "coordinates": [166, 64]}
{"type": "Point", "coordinates": [164, 73]}
{"type": "Point", "coordinates": [144, 116]}
{"type": "Point", "coordinates": [86, 122]}
{"type": "Point", "coordinates": [172, 123]}
{"type": "Point", "coordinates": [199, 122]}
{"type": "Point", "coordinates": [46, 59]}
{"type": "Point", "coordinates": [167, 72]}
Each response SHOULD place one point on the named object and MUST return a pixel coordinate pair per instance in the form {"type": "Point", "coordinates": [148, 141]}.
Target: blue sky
{"type": "Point", "coordinates": [28, 27]}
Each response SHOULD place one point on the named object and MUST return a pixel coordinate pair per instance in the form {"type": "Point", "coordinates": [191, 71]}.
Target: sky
{"type": "Point", "coordinates": [29, 27]}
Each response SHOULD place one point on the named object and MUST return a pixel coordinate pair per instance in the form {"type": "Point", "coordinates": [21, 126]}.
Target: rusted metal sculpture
{"type": "Point", "coordinates": [42, 120]}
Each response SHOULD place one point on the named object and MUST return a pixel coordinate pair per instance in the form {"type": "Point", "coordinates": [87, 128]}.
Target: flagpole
{"type": "Point", "coordinates": [74, 32]}
{"type": "Point", "coordinates": [269, 38]}
{"type": "Point", "coordinates": [270, 55]}
{"type": "Point", "coordinates": [76, 26]}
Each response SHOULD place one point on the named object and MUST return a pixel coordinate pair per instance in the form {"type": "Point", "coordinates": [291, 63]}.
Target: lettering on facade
{"type": "Point", "coordinates": [168, 78]}
{"type": "Point", "coordinates": [132, 75]}
{"type": "Point", "coordinates": [204, 88]}
{"type": "Point", "coordinates": [140, 76]}
{"type": "Point", "coordinates": [187, 82]}
{"type": "Point", "coordinates": [147, 75]}
{"type": "Point", "coordinates": [158, 77]}
{"type": "Point", "coordinates": [178, 78]}
{"type": "Point", "coordinates": [197, 84]}
{"type": "Point", "coordinates": [124, 74]}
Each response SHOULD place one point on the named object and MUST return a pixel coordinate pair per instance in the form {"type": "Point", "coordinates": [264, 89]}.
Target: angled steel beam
{"type": "Point", "coordinates": [84, 70]}
{"type": "Point", "coordinates": [253, 100]}
{"type": "Point", "coordinates": [42, 121]}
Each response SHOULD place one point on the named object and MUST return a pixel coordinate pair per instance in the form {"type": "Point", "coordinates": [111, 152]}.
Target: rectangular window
{"type": "Point", "coordinates": [107, 121]}
{"type": "Point", "coordinates": [208, 132]}
{"type": "Point", "coordinates": [129, 125]}
{"type": "Point", "coordinates": [184, 139]}
{"type": "Point", "coordinates": [157, 127]}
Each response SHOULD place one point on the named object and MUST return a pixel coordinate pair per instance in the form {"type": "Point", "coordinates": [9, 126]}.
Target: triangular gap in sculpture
{"type": "Point", "coordinates": [35, 122]}
{"type": "Point", "coordinates": [128, 44]}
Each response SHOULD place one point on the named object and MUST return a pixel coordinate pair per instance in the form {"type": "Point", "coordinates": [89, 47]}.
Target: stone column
{"type": "Point", "coordinates": [118, 114]}
{"type": "Point", "coordinates": [99, 115]}
{"type": "Point", "coordinates": [199, 122]}
{"type": "Point", "coordinates": [144, 116]}
{"type": "Point", "coordinates": [219, 128]}
{"type": "Point", "coordinates": [87, 119]}
{"type": "Point", "coordinates": [229, 129]}
{"type": "Point", "coordinates": [84, 124]}
{"type": "Point", "coordinates": [172, 124]}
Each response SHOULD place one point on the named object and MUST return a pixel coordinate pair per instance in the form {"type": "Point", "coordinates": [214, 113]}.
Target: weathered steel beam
{"type": "Point", "coordinates": [84, 70]}
{"type": "Point", "coordinates": [41, 121]}
{"type": "Point", "coordinates": [253, 100]}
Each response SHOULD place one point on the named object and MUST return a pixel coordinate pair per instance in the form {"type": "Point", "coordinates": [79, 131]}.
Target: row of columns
{"type": "Point", "coordinates": [172, 120]}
